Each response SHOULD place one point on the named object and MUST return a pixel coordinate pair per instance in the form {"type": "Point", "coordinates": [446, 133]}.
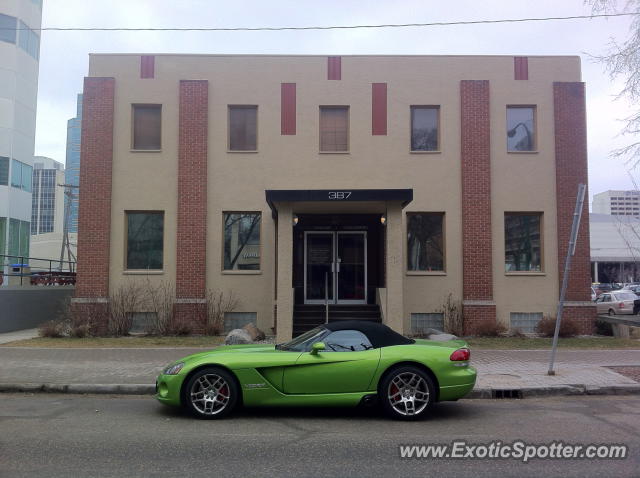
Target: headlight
{"type": "Point", "coordinates": [173, 369]}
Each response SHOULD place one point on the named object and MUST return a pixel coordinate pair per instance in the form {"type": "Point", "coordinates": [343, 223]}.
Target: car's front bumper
{"type": "Point", "coordinates": [168, 389]}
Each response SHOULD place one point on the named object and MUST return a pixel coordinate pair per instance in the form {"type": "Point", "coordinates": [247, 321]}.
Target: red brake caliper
{"type": "Point", "coordinates": [393, 390]}
{"type": "Point", "coordinates": [224, 391]}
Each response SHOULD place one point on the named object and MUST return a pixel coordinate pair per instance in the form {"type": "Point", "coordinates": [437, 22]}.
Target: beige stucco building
{"type": "Point", "coordinates": [397, 181]}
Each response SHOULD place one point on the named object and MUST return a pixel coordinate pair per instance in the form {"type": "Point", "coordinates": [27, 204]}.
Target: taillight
{"type": "Point", "coordinates": [621, 305]}
{"type": "Point", "coordinates": [460, 355]}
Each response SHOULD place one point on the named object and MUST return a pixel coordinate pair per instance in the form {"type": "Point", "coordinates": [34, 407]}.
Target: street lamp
{"type": "Point", "coordinates": [512, 132]}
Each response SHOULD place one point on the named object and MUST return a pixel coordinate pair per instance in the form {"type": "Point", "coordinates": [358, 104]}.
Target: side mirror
{"type": "Point", "coordinates": [317, 347]}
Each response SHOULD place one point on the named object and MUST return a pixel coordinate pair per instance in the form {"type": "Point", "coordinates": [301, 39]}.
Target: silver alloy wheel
{"type": "Point", "coordinates": [210, 394]}
{"type": "Point", "coordinates": [408, 393]}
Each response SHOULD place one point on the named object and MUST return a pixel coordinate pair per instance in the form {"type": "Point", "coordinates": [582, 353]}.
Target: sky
{"type": "Point", "coordinates": [64, 56]}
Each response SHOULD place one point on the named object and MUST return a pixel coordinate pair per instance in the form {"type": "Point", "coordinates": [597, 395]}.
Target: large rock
{"type": "Point", "coordinates": [254, 332]}
{"type": "Point", "coordinates": [442, 337]}
{"type": "Point", "coordinates": [238, 336]}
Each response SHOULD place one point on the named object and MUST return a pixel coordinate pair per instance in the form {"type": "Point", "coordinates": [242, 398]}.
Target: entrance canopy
{"type": "Point", "coordinates": [337, 196]}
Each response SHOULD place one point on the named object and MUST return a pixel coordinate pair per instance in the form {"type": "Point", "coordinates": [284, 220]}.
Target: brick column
{"type": "Point", "coordinates": [477, 274]}
{"type": "Point", "coordinates": [191, 241]}
{"type": "Point", "coordinates": [94, 213]}
{"type": "Point", "coordinates": [284, 289]}
{"type": "Point", "coordinates": [571, 169]}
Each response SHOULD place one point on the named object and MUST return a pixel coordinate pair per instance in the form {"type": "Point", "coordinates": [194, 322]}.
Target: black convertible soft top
{"type": "Point", "coordinates": [378, 334]}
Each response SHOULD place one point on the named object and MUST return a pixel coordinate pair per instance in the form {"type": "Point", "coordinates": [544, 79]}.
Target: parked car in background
{"type": "Point", "coordinates": [633, 288]}
{"type": "Point", "coordinates": [618, 302]}
{"type": "Point", "coordinates": [594, 294]}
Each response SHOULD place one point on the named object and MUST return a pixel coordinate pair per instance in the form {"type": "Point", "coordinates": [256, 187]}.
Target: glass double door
{"type": "Point", "coordinates": [335, 266]}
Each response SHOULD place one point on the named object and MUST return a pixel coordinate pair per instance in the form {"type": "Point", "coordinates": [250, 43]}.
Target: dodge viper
{"type": "Point", "coordinates": [337, 364]}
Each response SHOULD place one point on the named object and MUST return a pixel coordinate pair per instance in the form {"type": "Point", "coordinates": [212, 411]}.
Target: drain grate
{"type": "Point", "coordinates": [506, 393]}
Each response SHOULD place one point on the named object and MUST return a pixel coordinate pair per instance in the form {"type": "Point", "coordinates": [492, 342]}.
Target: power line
{"type": "Point", "coordinates": [332, 27]}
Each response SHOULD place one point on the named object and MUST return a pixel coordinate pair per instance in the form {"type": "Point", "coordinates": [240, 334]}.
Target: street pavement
{"type": "Point", "coordinates": [497, 369]}
{"type": "Point", "coordinates": [49, 435]}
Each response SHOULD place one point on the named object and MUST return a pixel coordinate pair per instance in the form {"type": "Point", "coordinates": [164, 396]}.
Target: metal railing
{"type": "Point", "coordinates": [36, 271]}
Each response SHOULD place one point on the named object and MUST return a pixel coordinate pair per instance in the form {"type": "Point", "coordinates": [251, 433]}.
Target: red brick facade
{"type": "Point", "coordinates": [477, 281]}
{"type": "Point", "coordinates": [192, 200]}
{"type": "Point", "coordinates": [571, 169]}
{"type": "Point", "coordinates": [94, 215]}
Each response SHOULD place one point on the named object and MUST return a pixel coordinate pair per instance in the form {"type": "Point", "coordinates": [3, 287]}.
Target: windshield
{"type": "Point", "coordinates": [303, 342]}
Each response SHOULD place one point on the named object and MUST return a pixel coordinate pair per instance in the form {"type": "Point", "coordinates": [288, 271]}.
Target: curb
{"type": "Point", "coordinates": [553, 391]}
{"type": "Point", "coordinates": [477, 393]}
{"type": "Point", "coordinates": [80, 388]}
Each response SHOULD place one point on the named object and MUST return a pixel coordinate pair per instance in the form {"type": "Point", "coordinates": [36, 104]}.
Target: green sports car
{"type": "Point", "coordinates": [338, 364]}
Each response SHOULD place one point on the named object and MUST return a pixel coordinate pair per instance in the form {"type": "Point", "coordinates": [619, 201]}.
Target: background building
{"type": "Point", "coordinates": [19, 56]}
{"type": "Point", "coordinates": [617, 203]}
{"type": "Point", "coordinates": [72, 170]}
{"type": "Point", "coordinates": [48, 210]}
{"type": "Point", "coordinates": [615, 248]}
{"type": "Point", "coordinates": [382, 184]}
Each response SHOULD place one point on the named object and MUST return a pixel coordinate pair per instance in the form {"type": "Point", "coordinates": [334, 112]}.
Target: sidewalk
{"type": "Point", "coordinates": [518, 373]}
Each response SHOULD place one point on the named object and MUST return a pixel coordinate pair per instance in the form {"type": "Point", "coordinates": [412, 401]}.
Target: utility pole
{"type": "Point", "coordinates": [66, 246]}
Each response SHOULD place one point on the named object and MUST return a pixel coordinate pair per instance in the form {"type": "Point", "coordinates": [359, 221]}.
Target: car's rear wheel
{"type": "Point", "coordinates": [611, 312]}
{"type": "Point", "coordinates": [211, 393]}
{"type": "Point", "coordinates": [407, 393]}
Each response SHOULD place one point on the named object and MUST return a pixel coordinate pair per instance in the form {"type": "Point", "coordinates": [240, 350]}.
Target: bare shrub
{"type": "Point", "coordinates": [80, 330]}
{"type": "Point", "coordinates": [180, 327]}
{"type": "Point", "coordinates": [452, 312]}
{"type": "Point", "coordinates": [517, 333]}
{"type": "Point", "coordinates": [160, 300]}
{"type": "Point", "coordinates": [547, 327]}
{"type": "Point", "coordinates": [218, 302]}
{"type": "Point", "coordinates": [52, 329]}
{"type": "Point", "coordinates": [125, 300]}
{"type": "Point", "coordinates": [490, 329]}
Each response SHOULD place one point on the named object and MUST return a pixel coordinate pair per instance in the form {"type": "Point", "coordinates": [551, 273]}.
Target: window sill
{"type": "Point", "coordinates": [525, 273]}
{"type": "Point", "coordinates": [242, 273]}
{"type": "Point", "coordinates": [236, 151]}
{"type": "Point", "coordinates": [145, 151]}
{"type": "Point", "coordinates": [425, 152]}
{"type": "Point", "coordinates": [142, 272]}
{"type": "Point", "coordinates": [523, 152]}
{"type": "Point", "coordinates": [426, 273]}
{"type": "Point", "coordinates": [334, 152]}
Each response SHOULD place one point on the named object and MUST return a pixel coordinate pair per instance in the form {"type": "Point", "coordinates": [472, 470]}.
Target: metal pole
{"type": "Point", "coordinates": [577, 214]}
{"type": "Point", "coordinates": [326, 297]}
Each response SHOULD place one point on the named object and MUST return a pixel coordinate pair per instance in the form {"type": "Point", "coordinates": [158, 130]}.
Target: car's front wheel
{"type": "Point", "coordinates": [211, 393]}
{"type": "Point", "coordinates": [407, 393]}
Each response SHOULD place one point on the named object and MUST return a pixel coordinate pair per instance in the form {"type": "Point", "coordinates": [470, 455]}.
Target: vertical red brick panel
{"type": "Point", "coordinates": [477, 276]}
{"type": "Point", "coordinates": [288, 108]}
{"type": "Point", "coordinates": [193, 127]}
{"type": "Point", "coordinates": [521, 67]}
{"type": "Point", "coordinates": [147, 66]}
{"type": "Point", "coordinates": [571, 169]}
{"type": "Point", "coordinates": [334, 68]}
{"type": "Point", "coordinates": [94, 217]}
{"type": "Point", "coordinates": [379, 109]}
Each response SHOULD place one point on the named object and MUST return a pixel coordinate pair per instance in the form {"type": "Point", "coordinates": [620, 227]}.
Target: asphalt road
{"type": "Point", "coordinates": [66, 435]}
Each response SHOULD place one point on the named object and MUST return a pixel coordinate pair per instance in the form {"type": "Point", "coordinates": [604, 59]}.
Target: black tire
{"type": "Point", "coordinates": [413, 390]}
{"type": "Point", "coordinates": [611, 312]}
{"type": "Point", "coordinates": [215, 400]}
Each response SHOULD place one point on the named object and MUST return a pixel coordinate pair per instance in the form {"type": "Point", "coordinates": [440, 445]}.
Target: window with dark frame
{"type": "Point", "coordinates": [521, 128]}
{"type": "Point", "coordinates": [243, 128]}
{"type": "Point", "coordinates": [425, 242]}
{"type": "Point", "coordinates": [242, 241]}
{"type": "Point", "coordinates": [334, 128]}
{"type": "Point", "coordinates": [145, 240]}
{"type": "Point", "coordinates": [425, 125]}
{"type": "Point", "coordinates": [523, 242]}
{"type": "Point", "coordinates": [147, 127]}
{"type": "Point", "coordinates": [4, 171]}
